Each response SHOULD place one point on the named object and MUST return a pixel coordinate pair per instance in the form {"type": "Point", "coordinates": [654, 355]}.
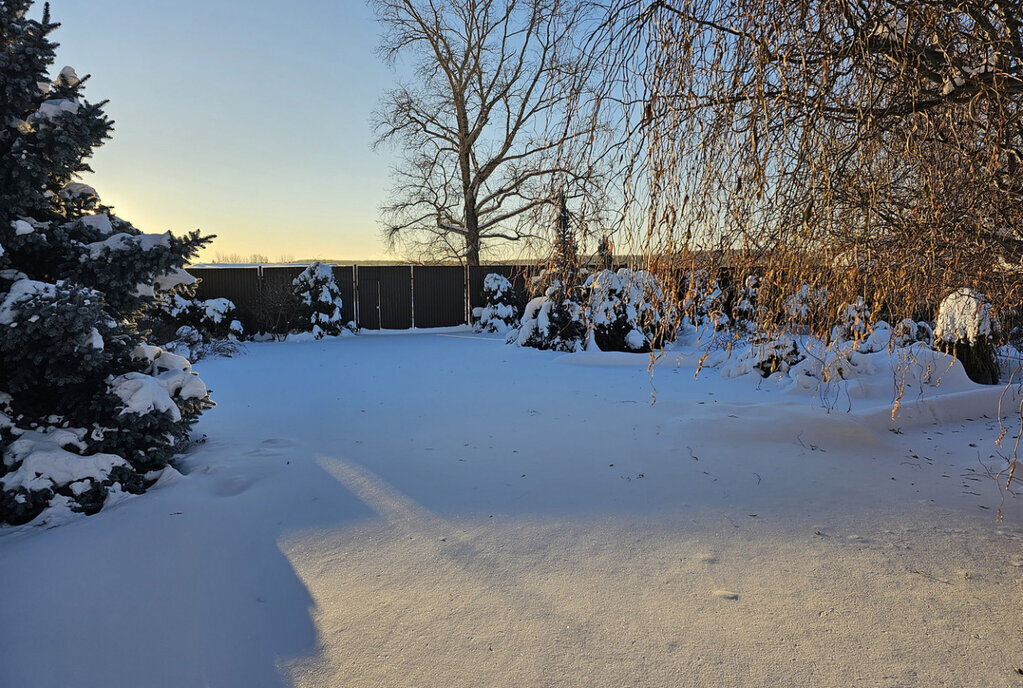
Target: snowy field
{"type": "Point", "coordinates": [440, 509]}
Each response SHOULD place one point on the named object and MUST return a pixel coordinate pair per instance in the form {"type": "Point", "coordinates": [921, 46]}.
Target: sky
{"type": "Point", "coordinates": [249, 120]}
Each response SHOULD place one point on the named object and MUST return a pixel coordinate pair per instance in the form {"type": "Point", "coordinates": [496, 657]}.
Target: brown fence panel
{"type": "Point", "coordinates": [438, 295]}
{"type": "Point", "coordinates": [241, 285]}
{"type": "Point", "coordinates": [516, 274]}
{"type": "Point", "coordinates": [385, 297]}
{"type": "Point", "coordinates": [344, 275]}
{"type": "Point", "coordinates": [275, 297]}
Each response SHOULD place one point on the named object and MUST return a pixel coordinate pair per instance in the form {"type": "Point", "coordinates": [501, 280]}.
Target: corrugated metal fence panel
{"type": "Point", "coordinates": [385, 297]}
{"type": "Point", "coordinates": [516, 274]}
{"type": "Point", "coordinates": [344, 275]}
{"type": "Point", "coordinates": [276, 289]}
{"type": "Point", "coordinates": [438, 295]}
{"type": "Point", "coordinates": [241, 285]}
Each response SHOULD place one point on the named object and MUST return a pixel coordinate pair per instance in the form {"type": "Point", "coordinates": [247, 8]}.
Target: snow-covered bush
{"type": "Point", "coordinates": [805, 305]}
{"type": "Point", "coordinates": [764, 357]}
{"type": "Point", "coordinates": [555, 320]}
{"type": "Point", "coordinates": [183, 324]}
{"type": "Point", "coordinates": [87, 410]}
{"type": "Point", "coordinates": [853, 322]}
{"type": "Point", "coordinates": [500, 309]}
{"type": "Point", "coordinates": [908, 332]}
{"type": "Point", "coordinates": [319, 302]}
{"type": "Point", "coordinates": [967, 328]}
{"type": "Point", "coordinates": [627, 311]}
{"type": "Point", "coordinates": [746, 313]}
{"type": "Point", "coordinates": [704, 301]}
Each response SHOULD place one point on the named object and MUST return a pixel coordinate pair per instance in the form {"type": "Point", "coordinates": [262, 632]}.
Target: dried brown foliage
{"type": "Point", "coordinates": [866, 148]}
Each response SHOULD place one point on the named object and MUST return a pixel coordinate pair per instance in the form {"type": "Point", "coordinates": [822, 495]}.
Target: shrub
{"type": "Point", "coordinates": [184, 324]}
{"type": "Point", "coordinates": [554, 321]}
{"type": "Point", "coordinates": [967, 329]}
{"type": "Point", "coordinates": [627, 311]}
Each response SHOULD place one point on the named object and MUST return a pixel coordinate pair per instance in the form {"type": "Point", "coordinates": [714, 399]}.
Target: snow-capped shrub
{"type": "Point", "coordinates": [805, 304]}
{"type": "Point", "coordinates": [319, 302]}
{"type": "Point", "coordinates": [745, 313]}
{"type": "Point", "coordinates": [705, 301]}
{"type": "Point", "coordinates": [967, 328]}
{"type": "Point", "coordinates": [554, 321]}
{"type": "Point", "coordinates": [964, 316]}
{"type": "Point", "coordinates": [853, 322]}
{"type": "Point", "coordinates": [808, 363]}
{"type": "Point", "coordinates": [87, 411]}
{"type": "Point", "coordinates": [627, 311]}
{"type": "Point", "coordinates": [909, 332]}
{"type": "Point", "coordinates": [210, 320]}
{"type": "Point", "coordinates": [765, 357]}
{"type": "Point", "coordinates": [500, 311]}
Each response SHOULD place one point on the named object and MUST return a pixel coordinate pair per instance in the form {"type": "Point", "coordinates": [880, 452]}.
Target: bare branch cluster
{"type": "Point", "coordinates": [497, 122]}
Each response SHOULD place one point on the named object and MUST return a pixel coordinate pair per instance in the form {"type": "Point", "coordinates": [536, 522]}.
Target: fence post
{"type": "Point", "coordinates": [355, 294]}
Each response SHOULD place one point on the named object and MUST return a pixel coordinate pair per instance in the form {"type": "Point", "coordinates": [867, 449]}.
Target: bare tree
{"type": "Point", "coordinates": [495, 125]}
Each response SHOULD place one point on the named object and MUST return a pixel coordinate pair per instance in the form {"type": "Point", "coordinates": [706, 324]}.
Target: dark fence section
{"type": "Point", "coordinates": [241, 285]}
{"type": "Point", "coordinates": [438, 295]}
{"type": "Point", "coordinates": [516, 274]}
{"type": "Point", "coordinates": [390, 297]}
{"type": "Point", "coordinates": [344, 275]}
{"type": "Point", "coordinates": [385, 297]}
{"type": "Point", "coordinates": [276, 288]}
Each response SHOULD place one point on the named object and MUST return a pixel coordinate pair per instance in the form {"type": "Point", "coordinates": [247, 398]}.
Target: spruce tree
{"type": "Point", "coordinates": [86, 407]}
{"type": "Point", "coordinates": [318, 301]}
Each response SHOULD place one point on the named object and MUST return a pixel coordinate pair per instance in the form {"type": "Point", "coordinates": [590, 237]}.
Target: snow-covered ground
{"type": "Point", "coordinates": [441, 509]}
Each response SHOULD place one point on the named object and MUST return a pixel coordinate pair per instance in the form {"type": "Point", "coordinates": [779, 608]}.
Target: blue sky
{"type": "Point", "coordinates": [249, 120]}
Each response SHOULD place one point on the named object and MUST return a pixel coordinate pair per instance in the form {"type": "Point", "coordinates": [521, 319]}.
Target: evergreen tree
{"type": "Point", "coordinates": [86, 407]}
{"type": "Point", "coordinates": [500, 311]}
{"type": "Point", "coordinates": [319, 301]}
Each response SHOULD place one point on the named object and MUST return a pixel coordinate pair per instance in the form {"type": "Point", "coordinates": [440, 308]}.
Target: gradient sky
{"type": "Point", "coordinates": [249, 120]}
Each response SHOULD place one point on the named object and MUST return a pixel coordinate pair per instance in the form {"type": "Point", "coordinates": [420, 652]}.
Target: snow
{"type": "Point", "coordinates": [216, 309]}
{"type": "Point", "coordinates": [95, 340]}
{"type": "Point", "coordinates": [78, 191]}
{"type": "Point", "coordinates": [46, 463]}
{"type": "Point", "coordinates": [68, 77]}
{"type": "Point", "coordinates": [99, 222]}
{"type": "Point", "coordinates": [123, 241]}
{"type": "Point", "coordinates": [172, 376]}
{"type": "Point", "coordinates": [439, 508]}
{"type": "Point", "coordinates": [21, 227]}
{"type": "Point", "coordinates": [175, 278]}
{"type": "Point", "coordinates": [49, 109]}
{"type": "Point", "coordinates": [22, 291]}
{"type": "Point", "coordinates": [142, 394]}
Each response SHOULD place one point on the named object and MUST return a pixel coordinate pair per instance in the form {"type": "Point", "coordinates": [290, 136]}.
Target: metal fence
{"type": "Point", "coordinates": [388, 297]}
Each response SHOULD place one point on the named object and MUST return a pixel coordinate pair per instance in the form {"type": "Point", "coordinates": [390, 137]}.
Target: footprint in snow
{"type": "Point", "coordinates": [270, 447]}
{"type": "Point", "coordinates": [231, 485]}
